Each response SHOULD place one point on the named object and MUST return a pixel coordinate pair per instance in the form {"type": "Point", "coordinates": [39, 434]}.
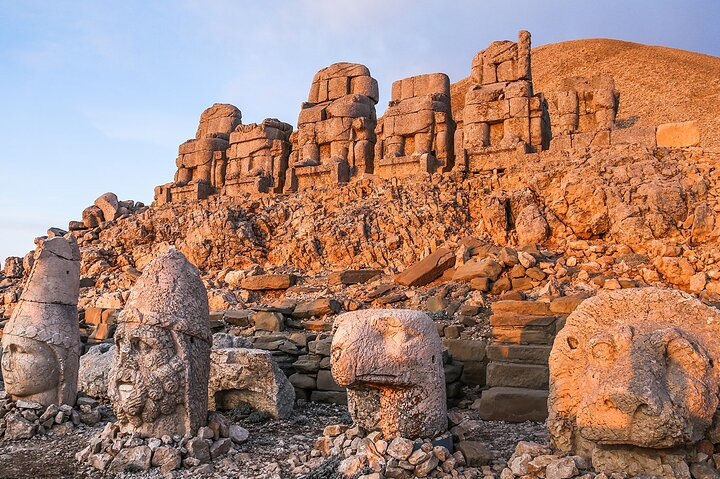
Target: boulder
{"type": "Point", "coordinates": [109, 205]}
{"type": "Point", "coordinates": [94, 368]}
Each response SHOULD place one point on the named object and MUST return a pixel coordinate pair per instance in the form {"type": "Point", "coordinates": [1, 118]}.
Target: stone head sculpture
{"type": "Point", "coordinates": [635, 367]}
{"type": "Point", "coordinates": [390, 361]}
{"type": "Point", "coordinates": [159, 379]}
{"type": "Point", "coordinates": [41, 342]}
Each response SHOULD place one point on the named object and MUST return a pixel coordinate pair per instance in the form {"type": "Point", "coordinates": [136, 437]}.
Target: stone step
{"type": "Point", "coordinates": [517, 375]}
{"type": "Point", "coordinates": [536, 308]}
{"type": "Point", "coordinates": [524, 335]}
{"type": "Point", "coordinates": [509, 319]}
{"type": "Point", "coordinates": [513, 404]}
{"type": "Point", "coordinates": [519, 353]}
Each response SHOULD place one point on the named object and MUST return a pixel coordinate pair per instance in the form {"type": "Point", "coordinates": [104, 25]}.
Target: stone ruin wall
{"type": "Point", "coordinates": [487, 123]}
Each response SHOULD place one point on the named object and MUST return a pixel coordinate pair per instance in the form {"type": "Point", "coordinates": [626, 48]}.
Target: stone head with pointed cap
{"type": "Point", "coordinates": [159, 379]}
{"type": "Point", "coordinates": [41, 342]}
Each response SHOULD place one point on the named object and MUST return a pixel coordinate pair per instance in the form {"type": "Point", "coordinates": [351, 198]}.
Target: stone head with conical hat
{"type": "Point", "coordinates": [41, 342]}
{"type": "Point", "coordinates": [159, 379]}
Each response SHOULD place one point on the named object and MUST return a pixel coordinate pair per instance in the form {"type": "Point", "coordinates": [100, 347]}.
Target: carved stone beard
{"type": "Point", "coordinates": [155, 393]}
{"type": "Point", "coordinates": [148, 378]}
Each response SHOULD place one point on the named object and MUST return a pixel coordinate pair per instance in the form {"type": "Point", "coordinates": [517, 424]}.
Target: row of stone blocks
{"type": "Point", "coordinates": [517, 373]}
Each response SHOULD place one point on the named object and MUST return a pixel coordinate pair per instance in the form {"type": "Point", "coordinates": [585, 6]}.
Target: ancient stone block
{"type": "Point", "coordinates": [159, 379]}
{"type": "Point", "coordinates": [268, 282]}
{"type": "Point", "coordinates": [428, 269]}
{"type": "Point", "coordinates": [499, 107]}
{"type": "Point", "coordinates": [356, 276]}
{"type": "Point", "coordinates": [41, 341]}
{"type": "Point", "coordinates": [634, 367]}
{"type": "Point", "coordinates": [336, 137]}
{"type": "Point", "coordinates": [517, 375]}
{"type": "Point", "coordinates": [391, 363]}
{"type": "Point", "coordinates": [526, 353]}
{"type": "Point", "coordinates": [257, 159]}
{"type": "Point", "coordinates": [248, 376]}
{"type": "Point", "coordinates": [416, 133]}
{"type": "Point", "coordinates": [678, 135]}
{"type": "Point", "coordinates": [513, 404]}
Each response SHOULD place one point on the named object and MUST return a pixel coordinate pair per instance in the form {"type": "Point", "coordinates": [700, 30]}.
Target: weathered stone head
{"type": "Point", "coordinates": [391, 363]}
{"type": "Point", "coordinates": [41, 342]}
{"type": "Point", "coordinates": [159, 379]}
{"type": "Point", "coordinates": [636, 367]}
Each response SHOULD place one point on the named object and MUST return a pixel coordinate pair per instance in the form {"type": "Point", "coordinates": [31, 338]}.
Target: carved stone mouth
{"type": "Point", "coordinates": [124, 390]}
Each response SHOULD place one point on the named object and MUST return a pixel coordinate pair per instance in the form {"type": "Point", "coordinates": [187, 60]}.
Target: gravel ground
{"type": "Point", "coordinates": [265, 455]}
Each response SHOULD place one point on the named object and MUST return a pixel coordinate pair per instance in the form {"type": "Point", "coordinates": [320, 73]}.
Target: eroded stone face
{"type": "Point", "coordinates": [634, 367]}
{"type": "Point", "coordinates": [24, 358]}
{"type": "Point", "coordinates": [158, 382]}
{"type": "Point", "coordinates": [41, 342]}
{"type": "Point", "coordinates": [391, 363]}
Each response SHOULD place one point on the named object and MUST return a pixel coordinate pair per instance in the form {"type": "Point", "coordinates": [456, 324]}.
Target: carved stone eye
{"type": "Point", "coordinates": [681, 352]}
{"type": "Point", "coordinates": [572, 342]}
{"type": "Point", "coordinates": [603, 350]}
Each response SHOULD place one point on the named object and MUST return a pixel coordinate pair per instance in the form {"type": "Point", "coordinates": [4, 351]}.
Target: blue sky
{"type": "Point", "coordinates": [95, 96]}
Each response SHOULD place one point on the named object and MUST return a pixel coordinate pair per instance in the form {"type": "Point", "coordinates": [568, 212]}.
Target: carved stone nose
{"type": "Point", "coordinates": [632, 402]}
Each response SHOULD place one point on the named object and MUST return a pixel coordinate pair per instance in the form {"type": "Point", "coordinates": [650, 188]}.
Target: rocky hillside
{"type": "Point", "coordinates": [657, 84]}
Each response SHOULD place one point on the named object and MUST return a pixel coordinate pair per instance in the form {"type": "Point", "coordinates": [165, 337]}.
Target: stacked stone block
{"type": "Point", "coordinates": [257, 158]}
{"type": "Point", "coordinates": [201, 161]}
{"type": "Point", "coordinates": [336, 128]}
{"type": "Point", "coordinates": [582, 113]}
{"type": "Point", "coordinates": [415, 135]}
{"type": "Point", "coordinates": [99, 325]}
{"type": "Point", "coordinates": [517, 373]}
{"type": "Point", "coordinates": [501, 113]}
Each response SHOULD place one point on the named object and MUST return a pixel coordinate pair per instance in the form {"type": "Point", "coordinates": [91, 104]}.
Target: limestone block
{"type": "Point", "coordinates": [220, 118]}
{"type": "Point", "coordinates": [249, 376]}
{"type": "Point", "coordinates": [485, 268]}
{"type": "Point", "coordinates": [268, 282]}
{"type": "Point", "coordinates": [312, 114]}
{"type": "Point", "coordinates": [109, 205]}
{"type": "Point", "coordinates": [530, 353]}
{"type": "Point", "coordinates": [428, 269]}
{"type": "Point", "coordinates": [517, 375]}
{"type": "Point", "coordinates": [635, 135]}
{"type": "Point", "coordinates": [365, 85]}
{"type": "Point", "coordinates": [159, 380]}
{"type": "Point", "coordinates": [678, 135]}
{"type": "Point", "coordinates": [350, 107]}
{"type": "Point", "coordinates": [391, 363]}
{"type": "Point", "coordinates": [513, 404]}
{"type": "Point", "coordinates": [634, 367]}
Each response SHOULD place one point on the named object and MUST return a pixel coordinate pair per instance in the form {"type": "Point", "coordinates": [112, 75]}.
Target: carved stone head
{"type": "Point", "coordinates": [159, 379]}
{"type": "Point", "coordinates": [41, 342]}
{"type": "Point", "coordinates": [636, 367]}
{"type": "Point", "coordinates": [391, 363]}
